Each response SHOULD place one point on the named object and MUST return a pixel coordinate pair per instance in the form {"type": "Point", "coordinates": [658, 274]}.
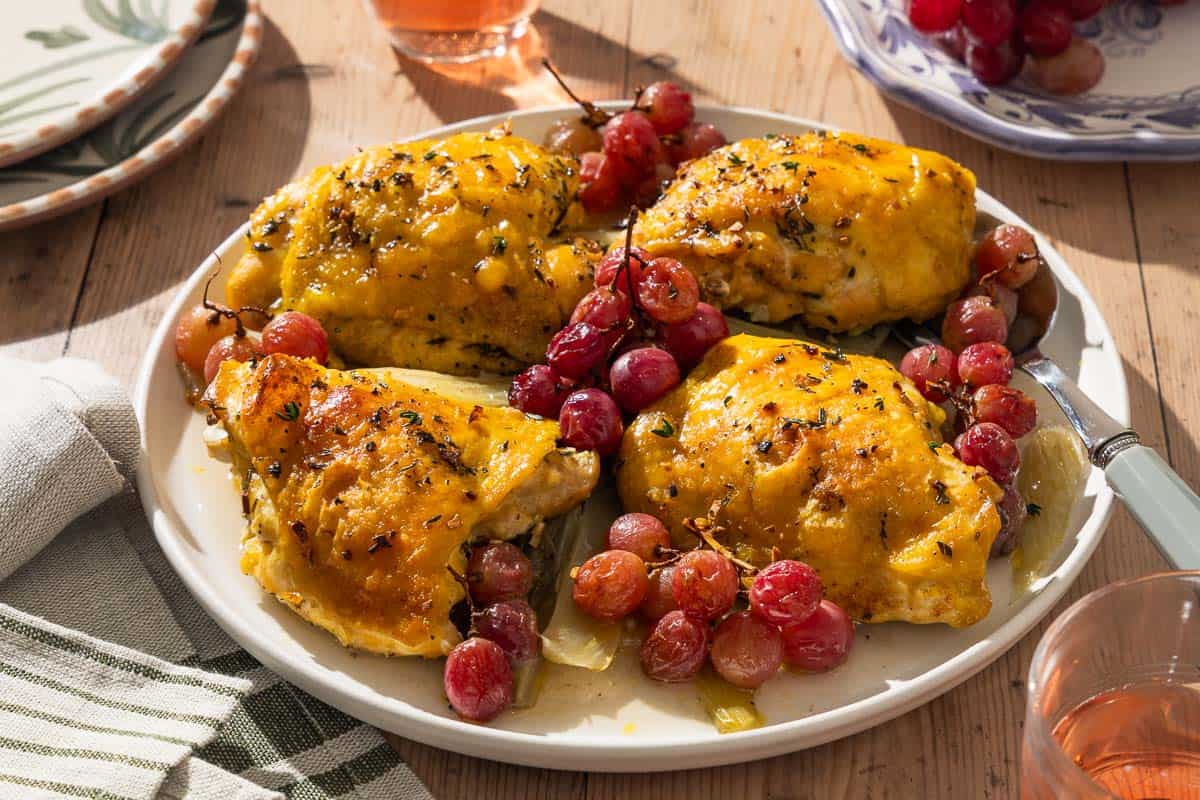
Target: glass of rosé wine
{"type": "Point", "coordinates": [453, 31]}
{"type": "Point", "coordinates": [1113, 706]}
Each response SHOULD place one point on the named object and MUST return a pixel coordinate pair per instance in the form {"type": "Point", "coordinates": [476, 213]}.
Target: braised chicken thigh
{"type": "Point", "coordinates": [362, 489]}
{"type": "Point", "coordinates": [793, 450]}
{"type": "Point", "coordinates": [840, 230]}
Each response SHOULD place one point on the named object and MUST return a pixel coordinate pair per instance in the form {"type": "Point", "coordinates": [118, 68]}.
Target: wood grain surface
{"type": "Point", "coordinates": [95, 283]}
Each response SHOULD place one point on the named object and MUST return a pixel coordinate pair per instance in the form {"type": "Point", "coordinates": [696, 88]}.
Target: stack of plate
{"type": "Point", "coordinates": [95, 94]}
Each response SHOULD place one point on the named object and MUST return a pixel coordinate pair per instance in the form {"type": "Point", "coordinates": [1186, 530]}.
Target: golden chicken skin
{"type": "Point", "coordinates": [837, 229]}
{"type": "Point", "coordinates": [442, 254]}
{"type": "Point", "coordinates": [796, 451]}
{"type": "Point", "coordinates": [362, 491]}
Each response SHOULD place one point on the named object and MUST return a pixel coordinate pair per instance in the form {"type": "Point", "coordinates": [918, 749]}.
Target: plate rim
{"type": "Point", "coordinates": [966, 118]}
{"type": "Point", "coordinates": [605, 754]}
{"type": "Point", "coordinates": [155, 154]}
{"type": "Point", "coordinates": [73, 122]}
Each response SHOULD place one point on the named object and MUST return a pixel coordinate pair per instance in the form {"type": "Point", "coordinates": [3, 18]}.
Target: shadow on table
{"type": "Point", "coordinates": [518, 80]}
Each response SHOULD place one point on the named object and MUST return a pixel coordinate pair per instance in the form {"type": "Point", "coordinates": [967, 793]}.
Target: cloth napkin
{"type": "Point", "coordinates": [113, 682]}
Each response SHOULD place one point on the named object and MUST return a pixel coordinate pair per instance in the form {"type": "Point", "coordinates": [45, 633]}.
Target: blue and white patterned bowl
{"type": "Point", "coordinates": [1146, 108]}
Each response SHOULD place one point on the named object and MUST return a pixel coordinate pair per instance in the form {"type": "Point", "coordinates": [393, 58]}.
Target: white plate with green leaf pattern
{"type": "Point", "coordinates": [144, 135]}
{"type": "Point", "coordinates": [68, 65]}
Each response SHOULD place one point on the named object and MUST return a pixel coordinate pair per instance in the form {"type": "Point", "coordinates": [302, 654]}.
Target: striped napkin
{"type": "Point", "coordinates": [113, 682]}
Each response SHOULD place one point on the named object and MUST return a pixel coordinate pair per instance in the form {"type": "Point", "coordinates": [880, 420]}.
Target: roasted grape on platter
{"type": "Point", "coordinates": [591, 418]}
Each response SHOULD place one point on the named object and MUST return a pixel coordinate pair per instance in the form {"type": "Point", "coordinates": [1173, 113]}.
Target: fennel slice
{"type": "Point", "coordinates": [1054, 471]}
{"type": "Point", "coordinates": [485, 390]}
{"type": "Point", "coordinates": [731, 709]}
{"type": "Point", "coordinates": [571, 637]}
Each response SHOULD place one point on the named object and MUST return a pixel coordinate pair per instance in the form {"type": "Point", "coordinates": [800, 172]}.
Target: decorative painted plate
{"type": "Point", "coordinates": [147, 133]}
{"type": "Point", "coordinates": [68, 65]}
{"type": "Point", "coordinates": [616, 720]}
{"type": "Point", "coordinates": [1146, 108]}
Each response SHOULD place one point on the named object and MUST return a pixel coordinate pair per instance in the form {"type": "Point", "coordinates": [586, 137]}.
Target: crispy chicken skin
{"type": "Point", "coordinates": [838, 229]}
{"type": "Point", "coordinates": [363, 489]}
{"type": "Point", "coordinates": [823, 457]}
{"type": "Point", "coordinates": [438, 254]}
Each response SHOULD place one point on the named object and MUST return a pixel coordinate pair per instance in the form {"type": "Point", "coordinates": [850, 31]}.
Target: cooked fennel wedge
{"type": "Point", "coordinates": [731, 709]}
{"type": "Point", "coordinates": [571, 637]}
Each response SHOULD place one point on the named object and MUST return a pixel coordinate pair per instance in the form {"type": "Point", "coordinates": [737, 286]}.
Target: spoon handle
{"type": "Point", "coordinates": [1160, 501]}
{"type": "Point", "coordinates": [1158, 498]}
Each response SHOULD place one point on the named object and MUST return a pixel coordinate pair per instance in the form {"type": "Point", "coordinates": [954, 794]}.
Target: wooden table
{"type": "Point", "coordinates": [94, 284]}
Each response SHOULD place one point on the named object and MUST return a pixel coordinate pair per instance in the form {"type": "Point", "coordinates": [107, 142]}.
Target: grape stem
{"type": "Point", "coordinates": [466, 587]}
{"type": "Point", "coordinates": [224, 311]}
{"type": "Point", "coordinates": [625, 268]}
{"type": "Point", "coordinates": [594, 116]}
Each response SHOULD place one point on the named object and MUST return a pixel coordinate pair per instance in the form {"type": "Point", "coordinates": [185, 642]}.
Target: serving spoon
{"type": "Point", "coordinates": [1162, 503]}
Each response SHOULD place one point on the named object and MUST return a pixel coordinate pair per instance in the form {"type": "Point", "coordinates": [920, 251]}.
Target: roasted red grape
{"type": "Point", "coordinates": [989, 446]}
{"type": "Point", "coordinates": [538, 390]}
{"type": "Point", "coordinates": [746, 650]}
{"type": "Point", "coordinates": [512, 624]}
{"type": "Point", "coordinates": [689, 340]}
{"type": "Point", "coordinates": [606, 309]}
{"type": "Point", "coordinates": [1073, 71]}
{"type": "Point", "coordinates": [640, 377]}
{"type": "Point", "coordinates": [931, 368]}
{"type": "Point", "coordinates": [498, 571]}
{"type": "Point", "coordinates": [675, 648]}
{"type": "Point", "coordinates": [973, 319]}
{"type": "Point", "coordinates": [590, 420]}
{"type": "Point", "coordinates": [478, 680]}
{"type": "Point", "coordinates": [599, 184]}
{"type": "Point", "coordinates": [954, 41]}
{"type": "Point", "coordinates": [577, 349]}
{"type": "Point", "coordinates": [785, 592]}
{"type": "Point", "coordinates": [296, 334]}
{"type": "Point", "coordinates": [1013, 512]}
{"type": "Point", "coordinates": [631, 142]}
{"type": "Point", "coordinates": [993, 65]}
{"type": "Point", "coordinates": [934, 16]}
{"type": "Point", "coordinates": [668, 107]}
{"type": "Point", "coordinates": [646, 193]}
{"type": "Point", "coordinates": [668, 291]}
{"type": "Point", "coordinates": [1046, 29]}
{"type": "Point", "coordinates": [822, 641]}
{"type": "Point", "coordinates": [572, 135]}
{"type": "Point", "coordinates": [229, 348]}
{"type": "Point", "coordinates": [989, 22]}
{"type": "Point", "coordinates": [984, 363]}
{"type": "Point", "coordinates": [611, 585]}
{"type": "Point", "coordinates": [1009, 408]}
{"type": "Point", "coordinates": [1002, 296]}
{"type": "Point", "coordinates": [641, 534]}
{"type": "Point", "coordinates": [198, 330]}
{"type": "Point", "coordinates": [694, 141]}
{"type": "Point", "coordinates": [659, 597]}
{"type": "Point", "coordinates": [1008, 255]}
{"type": "Point", "coordinates": [705, 583]}
{"type": "Point", "coordinates": [611, 269]}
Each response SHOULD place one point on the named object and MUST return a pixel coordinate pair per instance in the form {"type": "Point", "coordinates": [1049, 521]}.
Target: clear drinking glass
{"type": "Point", "coordinates": [1113, 705]}
{"type": "Point", "coordinates": [453, 31]}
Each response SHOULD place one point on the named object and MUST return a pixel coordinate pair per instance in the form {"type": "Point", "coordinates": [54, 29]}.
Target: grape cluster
{"type": "Point", "coordinates": [995, 38]}
{"type": "Point", "coordinates": [626, 345]}
{"type": "Point", "coordinates": [210, 334]}
{"type": "Point", "coordinates": [973, 368]}
{"type": "Point", "coordinates": [629, 156]}
{"type": "Point", "coordinates": [478, 675]}
{"type": "Point", "coordinates": [693, 603]}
